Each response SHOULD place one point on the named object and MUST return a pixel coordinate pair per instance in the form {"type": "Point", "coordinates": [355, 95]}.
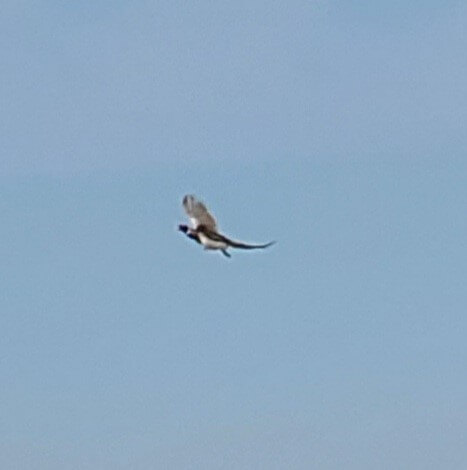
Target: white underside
{"type": "Point", "coordinates": [211, 244]}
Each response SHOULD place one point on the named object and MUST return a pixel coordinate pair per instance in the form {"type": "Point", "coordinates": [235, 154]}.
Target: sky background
{"type": "Point", "coordinates": [337, 128]}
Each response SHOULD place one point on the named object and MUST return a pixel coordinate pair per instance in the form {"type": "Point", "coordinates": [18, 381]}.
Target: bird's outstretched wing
{"type": "Point", "coordinates": [198, 213]}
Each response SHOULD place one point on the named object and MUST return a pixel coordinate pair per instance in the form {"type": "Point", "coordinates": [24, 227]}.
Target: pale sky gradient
{"type": "Point", "coordinates": [337, 128]}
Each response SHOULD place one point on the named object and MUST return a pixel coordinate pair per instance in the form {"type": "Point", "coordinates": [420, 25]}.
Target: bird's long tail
{"type": "Point", "coordinates": [246, 246]}
{"type": "Point", "coordinates": [235, 244]}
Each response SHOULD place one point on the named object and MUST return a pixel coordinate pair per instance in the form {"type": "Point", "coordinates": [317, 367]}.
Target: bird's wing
{"type": "Point", "coordinates": [198, 213]}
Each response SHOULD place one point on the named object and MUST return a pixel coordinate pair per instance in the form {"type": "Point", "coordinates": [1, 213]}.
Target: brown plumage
{"type": "Point", "coordinates": [205, 232]}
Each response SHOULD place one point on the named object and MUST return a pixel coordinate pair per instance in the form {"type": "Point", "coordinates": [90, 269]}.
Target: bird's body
{"type": "Point", "coordinates": [205, 232]}
{"type": "Point", "coordinates": [210, 243]}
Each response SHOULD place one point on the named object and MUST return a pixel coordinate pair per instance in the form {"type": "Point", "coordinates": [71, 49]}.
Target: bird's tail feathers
{"type": "Point", "coordinates": [247, 246]}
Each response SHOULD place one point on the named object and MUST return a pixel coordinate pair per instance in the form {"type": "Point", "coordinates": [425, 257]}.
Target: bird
{"type": "Point", "coordinates": [204, 229]}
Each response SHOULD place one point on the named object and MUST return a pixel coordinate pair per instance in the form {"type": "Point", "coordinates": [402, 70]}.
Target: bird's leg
{"type": "Point", "coordinates": [226, 253]}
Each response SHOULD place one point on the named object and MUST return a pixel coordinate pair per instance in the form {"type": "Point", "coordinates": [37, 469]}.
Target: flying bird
{"type": "Point", "coordinates": [204, 229]}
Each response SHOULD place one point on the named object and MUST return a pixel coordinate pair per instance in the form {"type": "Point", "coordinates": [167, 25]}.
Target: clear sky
{"type": "Point", "coordinates": [337, 128]}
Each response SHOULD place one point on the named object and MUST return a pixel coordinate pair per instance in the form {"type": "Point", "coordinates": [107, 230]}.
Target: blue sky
{"type": "Point", "coordinates": [336, 128]}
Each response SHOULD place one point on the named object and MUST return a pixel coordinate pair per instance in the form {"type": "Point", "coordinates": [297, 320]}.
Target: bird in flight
{"type": "Point", "coordinates": [204, 229]}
